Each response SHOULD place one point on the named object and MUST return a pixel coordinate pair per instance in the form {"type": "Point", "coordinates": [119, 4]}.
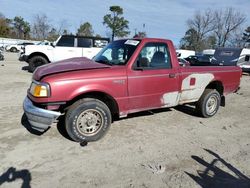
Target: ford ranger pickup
{"type": "Point", "coordinates": [126, 76]}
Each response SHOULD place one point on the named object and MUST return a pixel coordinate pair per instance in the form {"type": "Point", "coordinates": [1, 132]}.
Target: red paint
{"type": "Point", "coordinates": [132, 90]}
{"type": "Point", "coordinates": [192, 81]}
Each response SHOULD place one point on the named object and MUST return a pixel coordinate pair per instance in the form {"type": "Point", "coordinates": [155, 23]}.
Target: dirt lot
{"type": "Point", "coordinates": [170, 148]}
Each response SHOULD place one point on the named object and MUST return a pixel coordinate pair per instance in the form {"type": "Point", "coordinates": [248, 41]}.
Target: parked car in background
{"type": "Point", "coordinates": [230, 56]}
{"type": "Point", "coordinates": [199, 60]}
{"type": "Point", "coordinates": [123, 78]}
{"type": "Point", "coordinates": [183, 62]}
{"type": "Point", "coordinates": [1, 55]}
{"type": "Point", "coordinates": [17, 47]}
{"type": "Point", "coordinates": [208, 52]}
{"type": "Point", "coordinates": [184, 53]}
{"type": "Point", "coordinates": [66, 46]}
{"type": "Point", "coordinates": [244, 63]}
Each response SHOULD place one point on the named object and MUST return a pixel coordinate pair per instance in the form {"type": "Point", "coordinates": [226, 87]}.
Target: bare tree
{"type": "Point", "coordinates": [213, 28]}
{"type": "Point", "coordinates": [235, 39]}
{"type": "Point", "coordinates": [203, 24]}
{"type": "Point", "coordinates": [41, 27]}
{"type": "Point", "coordinates": [199, 30]}
{"type": "Point", "coordinates": [63, 27]}
{"type": "Point", "coordinates": [226, 23]}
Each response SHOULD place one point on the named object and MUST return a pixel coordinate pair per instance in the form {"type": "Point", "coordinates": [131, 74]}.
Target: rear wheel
{"type": "Point", "coordinates": [13, 49]}
{"type": "Point", "coordinates": [87, 120]}
{"type": "Point", "coordinates": [36, 61]}
{"type": "Point", "coordinates": [209, 103]}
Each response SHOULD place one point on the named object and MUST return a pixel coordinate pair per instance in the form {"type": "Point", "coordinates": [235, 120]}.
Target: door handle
{"type": "Point", "coordinates": [172, 75]}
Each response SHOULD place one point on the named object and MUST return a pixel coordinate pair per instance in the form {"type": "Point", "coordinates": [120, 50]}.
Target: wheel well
{"type": "Point", "coordinates": [38, 54]}
{"type": "Point", "coordinates": [107, 99]}
{"type": "Point", "coordinates": [217, 85]}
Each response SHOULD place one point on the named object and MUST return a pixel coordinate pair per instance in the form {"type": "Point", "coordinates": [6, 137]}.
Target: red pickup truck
{"type": "Point", "coordinates": [126, 76]}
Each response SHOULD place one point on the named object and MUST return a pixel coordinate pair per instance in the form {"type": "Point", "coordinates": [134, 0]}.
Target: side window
{"type": "Point", "coordinates": [154, 56]}
{"type": "Point", "coordinates": [66, 41]}
{"type": "Point", "coordinates": [84, 43]}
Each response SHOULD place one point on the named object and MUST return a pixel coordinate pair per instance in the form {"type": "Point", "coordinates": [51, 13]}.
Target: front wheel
{"type": "Point", "coordinates": [209, 103]}
{"type": "Point", "coordinates": [87, 120]}
{"type": "Point", "coordinates": [36, 61]}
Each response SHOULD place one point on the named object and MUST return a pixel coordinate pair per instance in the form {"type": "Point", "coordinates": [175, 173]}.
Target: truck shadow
{"type": "Point", "coordinates": [12, 175]}
{"type": "Point", "coordinates": [62, 129]}
{"type": "Point", "coordinates": [61, 121]}
{"type": "Point", "coordinates": [26, 124]}
{"type": "Point", "coordinates": [187, 109]}
{"type": "Point", "coordinates": [215, 177]}
{"type": "Point", "coordinates": [26, 69]}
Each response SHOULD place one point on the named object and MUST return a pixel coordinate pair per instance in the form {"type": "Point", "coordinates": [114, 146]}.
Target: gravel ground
{"type": "Point", "coordinates": [163, 148]}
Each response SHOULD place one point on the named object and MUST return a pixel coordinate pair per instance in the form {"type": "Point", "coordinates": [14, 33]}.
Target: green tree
{"type": "Point", "coordinates": [65, 32]}
{"type": "Point", "coordinates": [98, 36]}
{"type": "Point", "coordinates": [21, 27]}
{"type": "Point", "coordinates": [4, 26]}
{"type": "Point", "coordinates": [190, 40]}
{"type": "Point", "coordinates": [116, 22]}
{"type": "Point", "coordinates": [85, 29]}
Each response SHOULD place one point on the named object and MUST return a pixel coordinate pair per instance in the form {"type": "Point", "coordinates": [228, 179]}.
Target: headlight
{"type": "Point", "coordinates": [38, 89]}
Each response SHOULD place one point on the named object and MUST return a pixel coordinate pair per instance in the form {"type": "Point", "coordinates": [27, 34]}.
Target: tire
{"type": "Point", "coordinates": [36, 61]}
{"type": "Point", "coordinates": [87, 120]}
{"type": "Point", "coordinates": [209, 103]}
{"type": "Point", "coordinates": [13, 49]}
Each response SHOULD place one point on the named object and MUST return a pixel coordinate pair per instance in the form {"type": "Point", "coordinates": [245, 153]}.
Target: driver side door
{"type": "Point", "coordinates": [153, 82]}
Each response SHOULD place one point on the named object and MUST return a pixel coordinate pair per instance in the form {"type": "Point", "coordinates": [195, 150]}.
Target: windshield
{"type": "Point", "coordinates": [117, 52]}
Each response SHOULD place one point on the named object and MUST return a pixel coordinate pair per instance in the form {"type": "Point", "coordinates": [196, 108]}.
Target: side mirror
{"type": "Point", "coordinates": [247, 58]}
{"type": "Point", "coordinates": [53, 44]}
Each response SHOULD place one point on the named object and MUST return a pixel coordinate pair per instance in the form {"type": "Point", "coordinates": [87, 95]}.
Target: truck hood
{"type": "Point", "coordinates": [72, 64]}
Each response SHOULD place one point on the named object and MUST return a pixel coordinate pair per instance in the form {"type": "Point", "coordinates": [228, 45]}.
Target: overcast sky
{"type": "Point", "coordinates": [162, 18]}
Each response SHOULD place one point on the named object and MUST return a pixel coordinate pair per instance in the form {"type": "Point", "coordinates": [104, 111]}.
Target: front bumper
{"type": "Point", "coordinates": [39, 119]}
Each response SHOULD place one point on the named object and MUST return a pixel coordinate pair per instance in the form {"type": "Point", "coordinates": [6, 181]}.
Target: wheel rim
{"type": "Point", "coordinates": [211, 105]}
{"type": "Point", "coordinates": [89, 122]}
{"type": "Point", "coordinates": [39, 63]}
